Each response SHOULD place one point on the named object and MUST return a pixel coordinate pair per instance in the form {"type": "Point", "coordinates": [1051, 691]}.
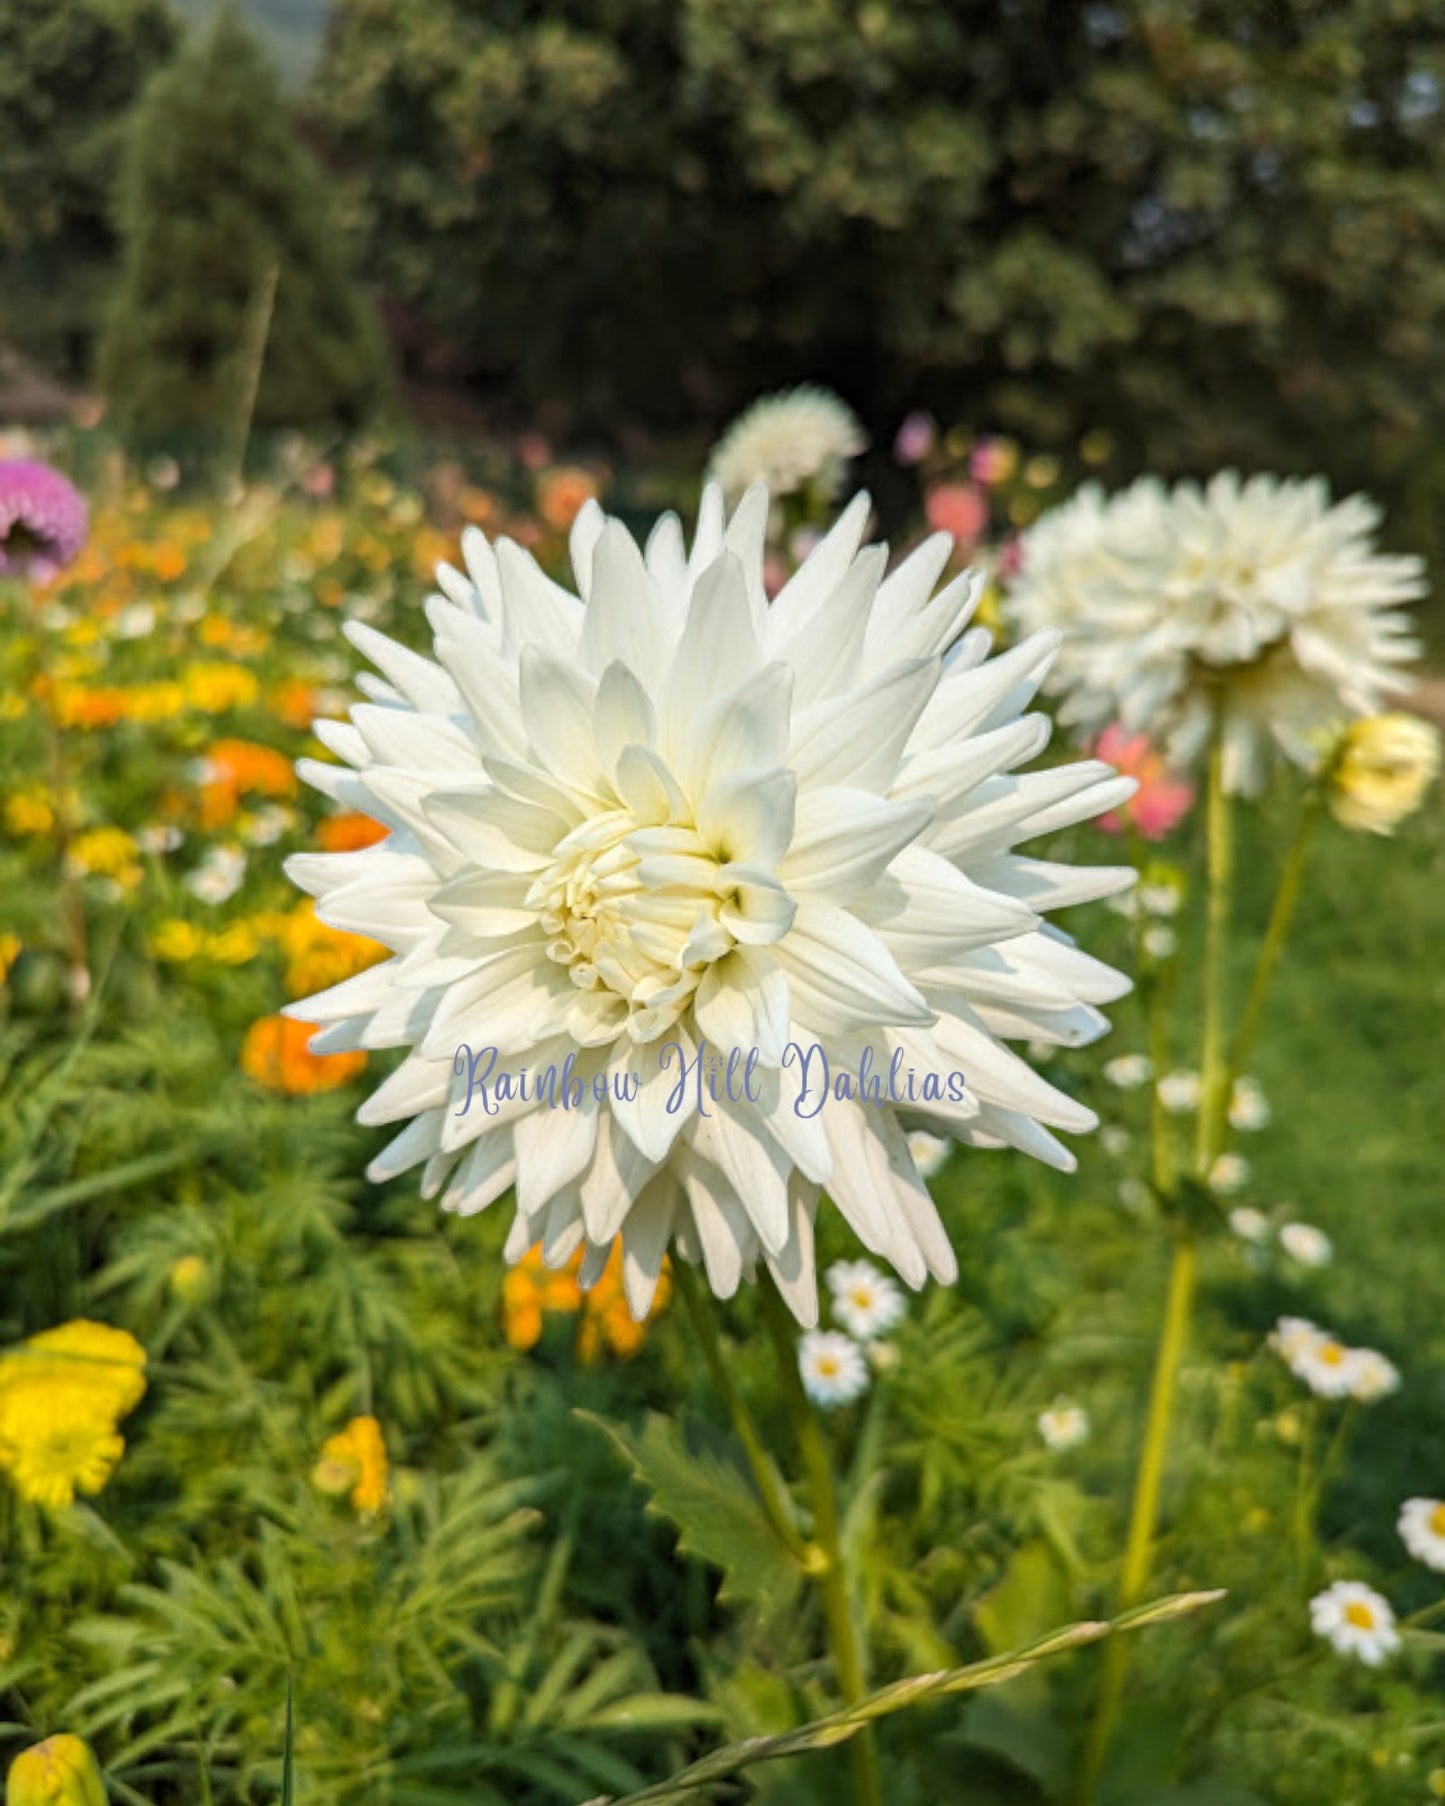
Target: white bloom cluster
{"type": "Point", "coordinates": [835, 1363]}
{"type": "Point", "coordinates": [663, 832]}
{"type": "Point", "coordinates": [797, 439]}
{"type": "Point", "coordinates": [1064, 1425]}
{"type": "Point", "coordinates": [1330, 1367]}
{"type": "Point", "coordinates": [1254, 600]}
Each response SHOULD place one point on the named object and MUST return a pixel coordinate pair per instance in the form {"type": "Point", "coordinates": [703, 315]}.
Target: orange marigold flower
{"type": "Point", "coordinates": [295, 703]}
{"type": "Point", "coordinates": [237, 768]}
{"type": "Point", "coordinates": [350, 832]}
{"type": "Point", "coordinates": [318, 955]}
{"type": "Point", "coordinates": [561, 495]}
{"type": "Point", "coordinates": [607, 1322]}
{"type": "Point", "coordinates": [532, 1288]}
{"type": "Point", "coordinates": [354, 1461]}
{"type": "Point", "coordinates": [275, 1054]}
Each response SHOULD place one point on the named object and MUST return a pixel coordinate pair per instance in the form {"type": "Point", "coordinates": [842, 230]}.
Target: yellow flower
{"type": "Point", "coordinates": [106, 853]}
{"type": "Point", "coordinates": [29, 811]}
{"type": "Point", "coordinates": [61, 1395]}
{"type": "Point", "coordinates": [177, 941]}
{"type": "Point", "coordinates": [319, 956]}
{"type": "Point", "coordinates": [214, 688]}
{"type": "Point", "coordinates": [109, 1362]}
{"type": "Point", "coordinates": [235, 945]}
{"type": "Point", "coordinates": [59, 1772]}
{"type": "Point", "coordinates": [1381, 770]}
{"type": "Point", "coordinates": [9, 953]}
{"type": "Point", "coordinates": [190, 1279]}
{"type": "Point", "coordinates": [354, 1460]}
{"type": "Point", "coordinates": [161, 701]}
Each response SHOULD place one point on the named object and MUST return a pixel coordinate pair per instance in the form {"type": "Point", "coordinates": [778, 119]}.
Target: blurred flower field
{"type": "Point", "coordinates": [271, 1432]}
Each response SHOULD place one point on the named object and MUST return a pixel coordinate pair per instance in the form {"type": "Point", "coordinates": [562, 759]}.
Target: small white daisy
{"type": "Point", "coordinates": [1313, 1355]}
{"type": "Point", "coordinates": [160, 838]}
{"type": "Point", "coordinates": [1124, 903]}
{"type": "Point", "coordinates": [135, 622]}
{"type": "Point", "coordinates": [1134, 1195]}
{"type": "Point", "coordinates": [1248, 1106]}
{"type": "Point", "coordinates": [1422, 1531]}
{"type": "Point", "coordinates": [1064, 1425]}
{"type": "Point", "coordinates": [267, 825]}
{"type": "Point", "coordinates": [1311, 1247]}
{"type": "Point", "coordinates": [1356, 1620]}
{"type": "Point", "coordinates": [1160, 899]}
{"type": "Point", "coordinates": [1249, 1224]}
{"type": "Point", "coordinates": [866, 1302]}
{"type": "Point", "coordinates": [1179, 1092]}
{"type": "Point", "coordinates": [1372, 1376]}
{"type": "Point", "coordinates": [1129, 1071]}
{"type": "Point", "coordinates": [1160, 941]}
{"type": "Point", "coordinates": [930, 1152]}
{"type": "Point", "coordinates": [1230, 1173]}
{"type": "Point", "coordinates": [219, 875]}
{"type": "Point", "coordinates": [833, 1366]}
{"type": "Point", "coordinates": [1114, 1140]}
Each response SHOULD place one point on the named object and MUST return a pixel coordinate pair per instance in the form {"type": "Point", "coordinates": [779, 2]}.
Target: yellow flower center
{"type": "Point", "coordinates": [828, 1366]}
{"type": "Point", "coordinates": [863, 1298]}
{"type": "Point", "coordinates": [1331, 1353]}
{"type": "Point", "coordinates": [641, 911]}
{"type": "Point", "coordinates": [1437, 1520]}
{"type": "Point", "coordinates": [1359, 1615]}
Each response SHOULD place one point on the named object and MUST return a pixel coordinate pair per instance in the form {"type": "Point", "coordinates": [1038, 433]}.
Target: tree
{"type": "Point", "coordinates": [229, 239]}
{"type": "Point", "coordinates": [68, 77]}
{"type": "Point", "coordinates": [1213, 227]}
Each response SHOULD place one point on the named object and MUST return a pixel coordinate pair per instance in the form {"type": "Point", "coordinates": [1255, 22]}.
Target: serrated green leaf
{"type": "Point", "coordinates": [719, 1517]}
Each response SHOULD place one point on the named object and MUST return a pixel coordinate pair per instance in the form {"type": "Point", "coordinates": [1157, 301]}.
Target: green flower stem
{"type": "Point", "coordinates": [1214, 1063]}
{"type": "Point", "coordinates": [829, 1568]}
{"type": "Point", "coordinates": [704, 1326]}
{"type": "Point", "coordinates": [1179, 1299]}
{"type": "Point", "coordinates": [1281, 915]}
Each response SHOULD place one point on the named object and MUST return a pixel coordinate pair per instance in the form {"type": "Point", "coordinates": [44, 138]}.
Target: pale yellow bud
{"type": "Point", "coordinates": [1381, 771]}
{"type": "Point", "coordinates": [190, 1279]}
{"type": "Point", "coordinates": [59, 1772]}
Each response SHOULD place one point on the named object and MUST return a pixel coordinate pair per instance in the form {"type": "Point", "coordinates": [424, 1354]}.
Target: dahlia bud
{"type": "Point", "coordinates": [59, 1772]}
{"type": "Point", "coordinates": [1381, 770]}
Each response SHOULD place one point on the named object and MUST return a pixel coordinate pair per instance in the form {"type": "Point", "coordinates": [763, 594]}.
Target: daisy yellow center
{"type": "Point", "coordinates": [828, 1366]}
{"type": "Point", "coordinates": [1360, 1616]}
{"type": "Point", "coordinates": [1437, 1521]}
{"type": "Point", "coordinates": [1332, 1354]}
{"type": "Point", "coordinates": [862, 1297]}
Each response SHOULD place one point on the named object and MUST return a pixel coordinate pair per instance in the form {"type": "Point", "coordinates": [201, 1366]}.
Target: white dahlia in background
{"type": "Point", "coordinates": [1256, 600]}
{"type": "Point", "coordinates": [797, 439]}
{"type": "Point", "coordinates": [673, 815]}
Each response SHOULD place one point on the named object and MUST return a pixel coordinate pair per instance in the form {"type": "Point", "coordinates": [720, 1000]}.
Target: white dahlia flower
{"type": "Point", "coordinates": [1254, 600]}
{"type": "Point", "coordinates": [698, 904]}
{"type": "Point", "coordinates": [797, 439]}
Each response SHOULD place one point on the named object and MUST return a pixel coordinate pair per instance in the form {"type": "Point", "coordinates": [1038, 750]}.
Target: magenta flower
{"type": "Point", "coordinates": [1162, 800]}
{"type": "Point", "coordinates": [43, 520]}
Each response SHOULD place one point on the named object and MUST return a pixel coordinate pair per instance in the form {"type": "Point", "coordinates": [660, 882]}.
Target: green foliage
{"type": "Point", "coordinates": [220, 201]}
{"type": "Point", "coordinates": [68, 77]}
{"type": "Point", "coordinates": [1215, 230]}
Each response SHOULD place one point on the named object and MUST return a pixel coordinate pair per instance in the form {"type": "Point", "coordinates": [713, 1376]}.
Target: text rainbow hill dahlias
{"type": "Point", "coordinates": [663, 812]}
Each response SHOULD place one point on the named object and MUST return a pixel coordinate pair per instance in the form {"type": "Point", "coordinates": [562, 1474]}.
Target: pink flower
{"type": "Point", "coordinates": [957, 508]}
{"type": "Point", "coordinates": [1162, 800]}
{"type": "Point", "coordinates": [915, 439]}
{"type": "Point", "coordinates": [43, 520]}
{"type": "Point", "coordinates": [993, 461]}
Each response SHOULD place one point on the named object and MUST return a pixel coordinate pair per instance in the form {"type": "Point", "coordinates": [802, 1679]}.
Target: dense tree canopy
{"type": "Point", "coordinates": [1214, 226]}
{"type": "Point", "coordinates": [228, 233]}
{"type": "Point", "coordinates": [68, 77]}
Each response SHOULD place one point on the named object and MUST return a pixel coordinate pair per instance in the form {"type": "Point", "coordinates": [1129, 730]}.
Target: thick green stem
{"type": "Point", "coordinates": [1179, 1299]}
{"type": "Point", "coordinates": [1281, 916]}
{"type": "Point", "coordinates": [765, 1474]}
{"type": "Point", "coordinates": [831, 1574]}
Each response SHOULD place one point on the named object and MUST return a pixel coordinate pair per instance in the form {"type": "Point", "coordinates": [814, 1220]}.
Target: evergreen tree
{"type": "Point", "coordinates": [228, 233]}
{"type": "Point", "coordinates": [69, 75]}
{"type": "Point", "coordinates": [1214, 227]}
